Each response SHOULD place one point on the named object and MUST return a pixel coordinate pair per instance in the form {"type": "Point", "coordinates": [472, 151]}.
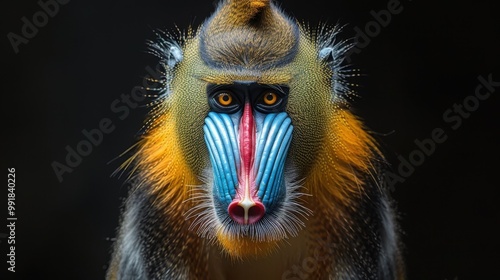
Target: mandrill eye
{"type": "Point", "coordinates": [270, 98]}
{"type": "Point", "coordinates": [224, 99]}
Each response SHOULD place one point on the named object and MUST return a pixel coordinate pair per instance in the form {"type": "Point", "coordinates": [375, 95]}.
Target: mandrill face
{"type": "Point", "coordinates": [240, 143]}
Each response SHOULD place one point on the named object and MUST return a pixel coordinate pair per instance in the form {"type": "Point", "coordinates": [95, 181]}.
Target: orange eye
{"type": "Point", "coordinates": [270, 98]}
{"type": "Point", "coordinates": [224, 99]}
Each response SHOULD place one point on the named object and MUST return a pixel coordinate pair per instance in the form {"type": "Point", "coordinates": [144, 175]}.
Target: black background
{"type": "Point", "coordinates": [66, 77]}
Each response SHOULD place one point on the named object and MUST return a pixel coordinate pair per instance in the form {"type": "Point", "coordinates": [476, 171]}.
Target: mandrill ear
{"type": "Point", "coordinates": [166, 48]}
{"type": "Point", "coordinates": [334, 53]}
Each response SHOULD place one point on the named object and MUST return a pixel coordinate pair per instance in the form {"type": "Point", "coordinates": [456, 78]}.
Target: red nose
{"type": "Point", "coordinates": [246, 207]}
{"type": "Point", "coordinates": [246, 212]}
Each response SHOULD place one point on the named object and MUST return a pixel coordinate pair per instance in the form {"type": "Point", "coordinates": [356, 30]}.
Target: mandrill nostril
{"type": "Point", "coordinates": [246, 213]}
{"type": "Point", "coordinates": [236, 212]}
{"type": "Point", "coordinates": [255, 213]}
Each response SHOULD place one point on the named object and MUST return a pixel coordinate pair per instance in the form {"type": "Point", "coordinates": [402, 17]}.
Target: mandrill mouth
{"type": "Point", "coordinates": [249, 193]}
{"type": "Point", "coordinates": [211, 219]}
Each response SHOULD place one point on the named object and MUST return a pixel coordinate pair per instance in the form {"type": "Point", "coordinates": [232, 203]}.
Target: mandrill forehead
{"type": "Point", "coordinates": [275, 76]}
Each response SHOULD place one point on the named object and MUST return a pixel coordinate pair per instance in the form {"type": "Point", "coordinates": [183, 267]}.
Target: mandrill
{"type": "Point", "coordinates": [252, 165]}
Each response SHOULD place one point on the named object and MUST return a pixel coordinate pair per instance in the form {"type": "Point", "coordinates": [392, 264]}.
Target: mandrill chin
{"type": "Point", "coordinates": [252, 165]}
